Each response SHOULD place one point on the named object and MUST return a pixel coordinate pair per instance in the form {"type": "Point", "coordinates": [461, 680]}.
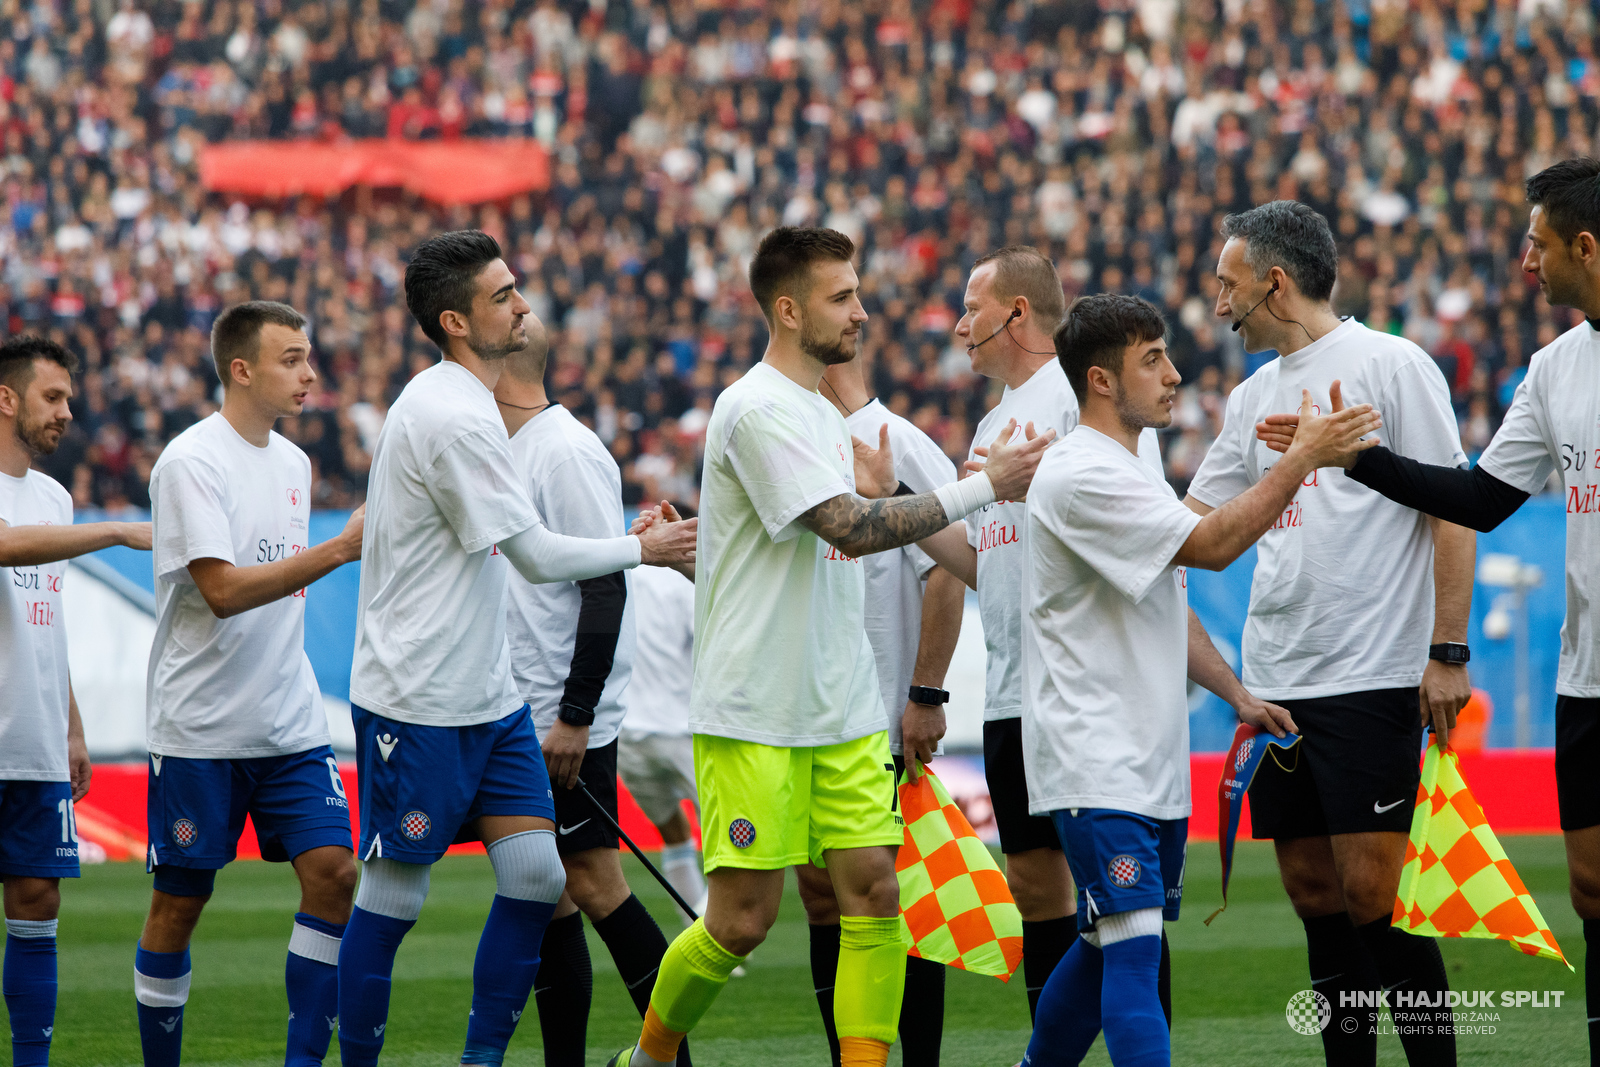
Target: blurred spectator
{"type": "Point", "coordinates": [1113, 135]}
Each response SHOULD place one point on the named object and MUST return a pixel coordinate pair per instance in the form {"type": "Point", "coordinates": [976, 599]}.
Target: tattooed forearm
{"type": "Point", "coordinates": [860, 527]}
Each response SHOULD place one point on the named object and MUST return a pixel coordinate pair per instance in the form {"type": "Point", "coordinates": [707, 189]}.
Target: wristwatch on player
{"type": "Point", "coordinates": [573, 715]}
{"type": "Point", "coordinates": [928, 694]}
{"type": "Point", "coordinates": [1450, 652]}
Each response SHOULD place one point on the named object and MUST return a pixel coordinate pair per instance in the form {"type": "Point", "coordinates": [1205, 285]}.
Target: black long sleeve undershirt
{"type": "Point", "coordinates": [595, 646]}
{"type": "Point", "coordinates": [1467, 497]}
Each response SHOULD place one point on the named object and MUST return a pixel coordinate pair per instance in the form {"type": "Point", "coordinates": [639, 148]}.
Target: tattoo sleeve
{"type": "Point", "coordinates": [859, 527]}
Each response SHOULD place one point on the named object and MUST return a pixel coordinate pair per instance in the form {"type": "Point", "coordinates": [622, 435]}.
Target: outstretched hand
{"type": "Point", "coordinates": [874, 466]}
{"type": "Point", "coordinates": [1334, 439]}
{"type": "Point", "coordinates": [1010, 464]}
{"type": "Point", "coordinates": [1277, 431]}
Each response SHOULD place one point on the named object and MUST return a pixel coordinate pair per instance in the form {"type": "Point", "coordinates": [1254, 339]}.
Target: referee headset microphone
{"type": "Point", "coordinates": [1005, 328]}
{"type": "Point", "coordinates": [1240, 321]}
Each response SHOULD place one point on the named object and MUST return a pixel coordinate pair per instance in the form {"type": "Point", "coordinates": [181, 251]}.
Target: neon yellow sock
{"type": "Point", "coordinates": [693, 972]}
{"type": "Point", "coordinates": [871, 980]}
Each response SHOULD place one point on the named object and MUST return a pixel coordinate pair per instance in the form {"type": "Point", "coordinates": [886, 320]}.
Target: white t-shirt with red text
{"type": "Point", "coordinates": [1342, 598]}
{"type": "Point", "coordinates": [1554, 425]}
{"type": "Point", "coordinates": [997, 530]}
{"type": "Point", "coordinates": [241, 687]}
{"type": "Point", "coordinates": [33, 640]}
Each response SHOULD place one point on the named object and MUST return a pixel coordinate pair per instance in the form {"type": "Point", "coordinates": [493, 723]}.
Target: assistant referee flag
{"type": "Point", "coordinates": [1457, 881]}
{"type": "Point", "coordinates": [953, 899]}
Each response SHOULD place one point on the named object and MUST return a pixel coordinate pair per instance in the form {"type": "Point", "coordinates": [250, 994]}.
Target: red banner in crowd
{"type": "Point", "coordinates": [464, 171]}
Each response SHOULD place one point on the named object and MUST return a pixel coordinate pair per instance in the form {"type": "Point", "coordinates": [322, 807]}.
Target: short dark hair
{"type": "Point", "coordinates": [18, 355]}
{"type": "Point", "coordinates": [1022, 270]}
{"type": "Point", "coordinates": [1569, 192]}
{"type": "Point", "coordinates": [441, 274]}
{"type": "Point", "coordinates": [1098, 329]}
{"type": "Point", "coordinates": [787, 253]}
{"type": "Point", "coordinates": [237, 332]}
{"type": "Point", "coordinates": [1288, 234]}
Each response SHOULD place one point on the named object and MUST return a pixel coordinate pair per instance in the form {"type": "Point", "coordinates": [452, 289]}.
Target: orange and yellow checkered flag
{"type": "Point", "coordinates": [1457, 881]}
{"type": "Point", "coordinates": [954, 902]}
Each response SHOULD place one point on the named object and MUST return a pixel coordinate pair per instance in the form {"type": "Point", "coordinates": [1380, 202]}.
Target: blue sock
{"type": "Point", "coordinates": [366, 961]}
{"type": "Point", "coordinates": [1130, 1008]}
{"type": "Point", "coordinates": [161, 986]}
{"type": "Point", "coordinates": [30, 988]}
{"type": "Point", "coordinates": [312, 978]}
{"type": "Point", "coordinates": [1068, 1015]}
{"type": "Point", "coordinates": [502, 975]}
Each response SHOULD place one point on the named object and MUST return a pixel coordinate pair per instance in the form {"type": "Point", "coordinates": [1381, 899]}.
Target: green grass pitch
{"type": "Point", "coordinates": [1230, 980]}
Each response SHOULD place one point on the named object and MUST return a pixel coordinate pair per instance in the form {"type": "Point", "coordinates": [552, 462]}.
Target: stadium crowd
{"type": "Point", "coordinates": [1113, 135]}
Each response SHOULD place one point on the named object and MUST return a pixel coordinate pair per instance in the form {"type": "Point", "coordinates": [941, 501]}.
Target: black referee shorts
{"type": "Point", "coordinates": [1577, 757]}
{"type": "Point", "coordinates": [1008, 790]}
{"type": "Point", "coordinates": [1355, 770]}
{"type": "Point", "coordinates": [579, 827]}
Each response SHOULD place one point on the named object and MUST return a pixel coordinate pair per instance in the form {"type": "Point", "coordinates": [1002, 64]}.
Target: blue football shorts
{"type": "Point", "coordinates": [422, 786]}
{"type": "Point", "coordinates": [196, 807]}
{"type": "Point", "coordinates": [38, 833]}
{"type": "Point", "coordinates": [1122, 861]}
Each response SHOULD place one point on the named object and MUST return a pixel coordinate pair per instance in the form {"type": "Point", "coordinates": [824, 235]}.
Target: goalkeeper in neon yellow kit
{"type": "Point", "coordinates": [791, 752]}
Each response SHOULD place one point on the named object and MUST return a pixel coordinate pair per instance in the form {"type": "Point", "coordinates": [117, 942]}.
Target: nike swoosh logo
{"type": "Point", "coordinates": [1386, 807]}
{"type": "Point", "coordinates": [565, 830]}
{"type": "Point", "coordinates": [386, 745]}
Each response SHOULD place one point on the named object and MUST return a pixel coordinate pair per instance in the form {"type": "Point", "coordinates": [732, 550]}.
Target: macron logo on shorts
{"type": "Point", "coordinates": [386, 745]}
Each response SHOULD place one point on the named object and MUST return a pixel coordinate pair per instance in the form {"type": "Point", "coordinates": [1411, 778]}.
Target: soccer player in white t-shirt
{"type": "Point", "coordinates": [44, 764]}
{"type": "Point", "coordinates": [1105, 719]}
{"type": "Point", "coordinates": [572, 651]}
{"type": "Point", "coordinates": [1347, 589]}
{"type": "Point", "coordinates": [1013, 304]}
{"type": "Point", "coordinates": [655, 755]}
{"type": "Point", "coordinates": [1553, 425]}
{"type": "Point", "coordinates": [446, 745]}
{"type": "Point", "coordinates": [235, 719]}
{"type": "Point", "coordinates": [913, 620]}
{"type": "Point", "coordinates": [790, 731]}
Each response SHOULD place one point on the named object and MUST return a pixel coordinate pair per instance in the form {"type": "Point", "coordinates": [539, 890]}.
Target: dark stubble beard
{"type": "Point", "coordinates": [1132, 418]}
{"type": "Point", "coordinates": [828, 353]}
{"type": "Point", "coordinates": [491, 353]}
{"type": "Point", "coordinates": [36, 435]}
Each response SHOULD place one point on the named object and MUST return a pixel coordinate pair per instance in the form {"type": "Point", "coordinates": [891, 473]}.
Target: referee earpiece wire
{"type": "Point", "coordinates": [1280, 318]}
{"type": "Point", "coordinates": [601, 808]}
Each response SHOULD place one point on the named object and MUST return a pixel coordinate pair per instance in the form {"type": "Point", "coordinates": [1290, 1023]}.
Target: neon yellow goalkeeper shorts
{"type": "Point", "coordinates": [767, 808]}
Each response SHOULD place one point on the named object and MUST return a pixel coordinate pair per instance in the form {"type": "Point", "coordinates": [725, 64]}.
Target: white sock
{"type": "Point", "coordinates": [682, 866]}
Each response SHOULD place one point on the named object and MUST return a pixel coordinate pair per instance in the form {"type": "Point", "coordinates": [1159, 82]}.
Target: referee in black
{"type": "Point", "coordinates": [1553, 426]}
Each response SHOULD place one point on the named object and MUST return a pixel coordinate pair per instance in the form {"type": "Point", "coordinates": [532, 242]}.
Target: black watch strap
{"type": "Point", "coordinates": [927, 694]}
{"type": "Point", "coordinates": [573, 715]}
{"type": "Point", "coordinates": [1450, 652]}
